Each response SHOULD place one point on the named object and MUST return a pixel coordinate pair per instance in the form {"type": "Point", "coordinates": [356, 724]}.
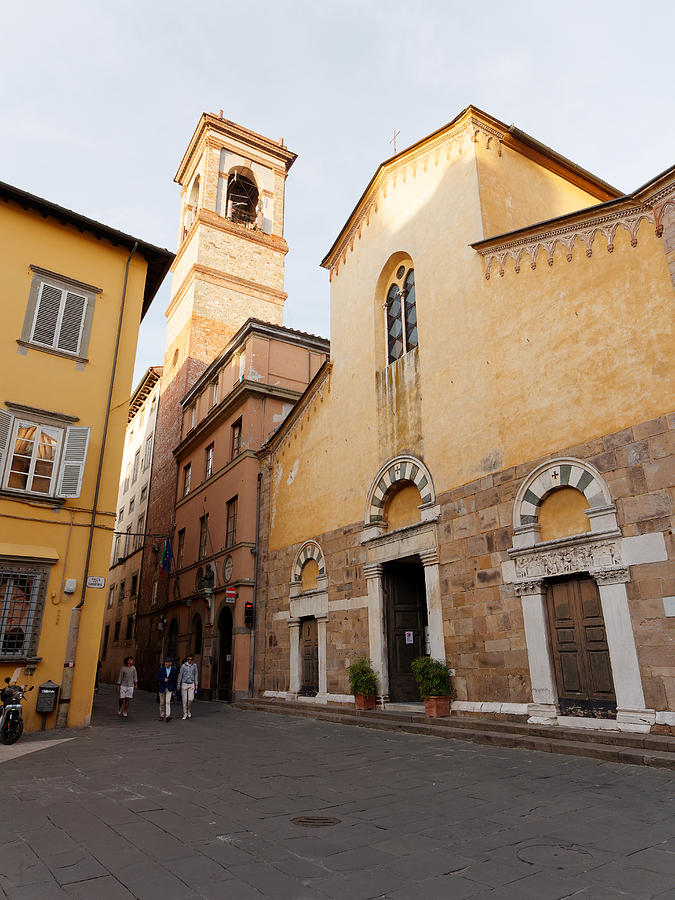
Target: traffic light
{"type": "Point", "coordinates": [248, 614]}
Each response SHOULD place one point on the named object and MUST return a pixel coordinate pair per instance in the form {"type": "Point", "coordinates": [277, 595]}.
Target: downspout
{"type": "Point", "coordinates": [74, 629]}
{"type": "Point", "coordinates": [255, 586]}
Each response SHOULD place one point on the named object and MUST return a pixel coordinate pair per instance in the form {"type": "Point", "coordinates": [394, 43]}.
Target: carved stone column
{"type": "Point", "coordinates": [432, 582]}
{"type": "Point", "coordinates": [544, 708]}
{"type": "Point", "coordinates": [322, 622]}
{"type": "Point", "coordinates": [376, 634]}
{"type": "Point", "coordinates": [295, 674]}
{"type": "Point", "coordinates": [631, 714]}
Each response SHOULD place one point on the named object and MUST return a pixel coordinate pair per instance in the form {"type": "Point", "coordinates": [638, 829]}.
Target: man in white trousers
{"type": "Point", "coordinates": [188, 685]}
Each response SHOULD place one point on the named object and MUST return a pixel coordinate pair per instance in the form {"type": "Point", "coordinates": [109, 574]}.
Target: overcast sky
{"type": "Point", "coordinates": [99, 101]}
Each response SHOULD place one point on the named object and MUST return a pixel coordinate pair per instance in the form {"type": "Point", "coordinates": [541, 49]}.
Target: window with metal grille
{"type": "Point", "coordinates": [231, 530]}
{"type": "Point", "coordinates": [401, 314]}
{"type": "Point", "coordinates": [22, 593]}
{"type": "Point", "coordinates": [236, 438]}
{"type": "Point", "coordinates": [208, 467]}
{"type": "Point", "coordinates": [203, 535]}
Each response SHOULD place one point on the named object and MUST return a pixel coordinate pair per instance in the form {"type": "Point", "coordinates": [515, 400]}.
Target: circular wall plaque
{"type": "Point", "coordinates": [227, 569]}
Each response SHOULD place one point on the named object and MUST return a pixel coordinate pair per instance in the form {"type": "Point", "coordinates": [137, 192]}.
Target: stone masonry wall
{"type": "Point", "coordinates": [483, 624]}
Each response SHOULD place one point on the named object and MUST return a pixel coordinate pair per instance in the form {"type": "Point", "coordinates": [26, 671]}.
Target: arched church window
{"type": "Point", "coordinates": [401, 314]}
{"type": "Point", "coordinates": [242, 199]}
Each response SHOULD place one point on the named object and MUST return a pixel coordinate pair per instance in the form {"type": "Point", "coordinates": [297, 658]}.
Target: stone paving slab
{"type": "Point", "coordinates": [204, 808]}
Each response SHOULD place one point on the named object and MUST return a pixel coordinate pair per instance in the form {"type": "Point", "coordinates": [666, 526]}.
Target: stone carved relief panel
{"type": "Point", "coordinates": [601, 555]}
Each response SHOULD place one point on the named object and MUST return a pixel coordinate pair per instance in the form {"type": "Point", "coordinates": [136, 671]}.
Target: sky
{"type": "Point", "coordinates": [99, 101]}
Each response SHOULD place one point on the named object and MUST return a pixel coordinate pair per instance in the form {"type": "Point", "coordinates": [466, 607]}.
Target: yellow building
{"type": "Point", "coordinates": [74, 292]}
{"type": "Point", "coordinates": [484, 471]}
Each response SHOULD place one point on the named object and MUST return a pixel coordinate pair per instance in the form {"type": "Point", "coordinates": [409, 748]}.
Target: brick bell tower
{"type": "Point", "coordinates": [229, 267]}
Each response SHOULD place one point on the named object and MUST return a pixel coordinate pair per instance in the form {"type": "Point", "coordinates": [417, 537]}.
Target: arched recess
{"type": "Point", "coordinates": [556, 473]}
{"type": "Point", "coordinates": [309, 550]}
{"type": "Point", "coordinates": [395, 308]}
{"type": "Point", "coordinates": [401, 468]}
{"type": "Point", "coordinates": [243, 196]}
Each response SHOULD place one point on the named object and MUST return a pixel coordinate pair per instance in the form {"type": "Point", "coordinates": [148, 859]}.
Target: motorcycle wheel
{"type": "Point", "coordinates": [11, 730]}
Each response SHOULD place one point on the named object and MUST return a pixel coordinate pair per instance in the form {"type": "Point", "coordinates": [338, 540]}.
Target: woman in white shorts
{"type": "Point", "coordinates": [127, 680]}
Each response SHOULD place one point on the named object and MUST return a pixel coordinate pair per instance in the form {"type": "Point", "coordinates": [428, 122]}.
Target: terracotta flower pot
{"type": "Point", "coordinates": [437, 706]}
{"type": "Point", "coordinates": [364, 701]}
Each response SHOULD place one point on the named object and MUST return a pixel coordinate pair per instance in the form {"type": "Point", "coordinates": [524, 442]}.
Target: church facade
{"type": "Point", "coordinates": [483, 471]}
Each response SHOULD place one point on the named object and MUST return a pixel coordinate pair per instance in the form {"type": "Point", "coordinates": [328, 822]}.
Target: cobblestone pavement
{"type": "Point", "coordinates": [203, 808]}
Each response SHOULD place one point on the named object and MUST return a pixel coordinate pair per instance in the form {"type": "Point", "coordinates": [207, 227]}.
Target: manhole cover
{"type": "Point", "coordinates": [315, 821]}
{"type": "Point", "coordinates": [558, 856]}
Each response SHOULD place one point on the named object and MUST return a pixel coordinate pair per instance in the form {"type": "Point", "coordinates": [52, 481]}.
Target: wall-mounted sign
{"type": "Point", "coordinates": [228, 565]}
{"type": "Point", "coordinates": [95, 581]}
{"type": "Point", "coordinates": [409, 637]}
{"type": "Point", "coordinates": [230, 595]}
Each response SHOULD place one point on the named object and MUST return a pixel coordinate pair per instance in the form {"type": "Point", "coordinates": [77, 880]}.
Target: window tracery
{"type": "Point", "coordinates": [401, 314]}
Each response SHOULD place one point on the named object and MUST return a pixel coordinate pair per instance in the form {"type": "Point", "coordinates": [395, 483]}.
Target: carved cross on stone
{"type": "Point", "coordinates": [555, 474]}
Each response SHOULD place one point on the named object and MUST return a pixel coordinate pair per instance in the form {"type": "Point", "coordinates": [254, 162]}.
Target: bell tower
{"type": "Point", "coordinates": [229, 267]}
{"type": "Point", "coordinates": [231, 249]}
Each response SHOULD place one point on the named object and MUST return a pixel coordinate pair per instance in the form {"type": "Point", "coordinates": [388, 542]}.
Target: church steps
{"type": "Point", "coordinates": [625, 747]}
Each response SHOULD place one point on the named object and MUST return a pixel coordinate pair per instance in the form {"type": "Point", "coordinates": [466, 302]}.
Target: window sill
{"type": "Point", "coordinates": [28, 345]}
{"type": "Point", "coordinates": [27, 496]}
{"type": "Point", "coordinates": [28, 662]}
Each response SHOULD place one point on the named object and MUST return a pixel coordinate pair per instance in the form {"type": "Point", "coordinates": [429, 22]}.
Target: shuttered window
{"type": "Point", "coordinates": [59, 319]}
{"type": "Point", "coordinates": [41, 458]}
{"type": "Point", "coordinates": [22, 592]}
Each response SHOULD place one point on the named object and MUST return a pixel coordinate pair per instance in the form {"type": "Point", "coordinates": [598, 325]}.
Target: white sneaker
{"type": "Point", "coordinates": [184, 716]}
{"type": "Point", "coordinates": [119, 712]}
{"type": "Point", "coordinates": [125, 715]}
{"type": "Point", "coordinates": [189, 715]}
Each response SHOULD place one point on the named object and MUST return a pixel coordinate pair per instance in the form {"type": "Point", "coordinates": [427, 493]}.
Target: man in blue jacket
{"type": "Point", "coordinates": [166, 685]}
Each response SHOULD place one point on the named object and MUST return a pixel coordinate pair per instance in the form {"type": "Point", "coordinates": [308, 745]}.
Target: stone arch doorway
{"type": "Point", "coordinates": [224, 666]}
{"type": "Point", "coordinates": [406, 621]}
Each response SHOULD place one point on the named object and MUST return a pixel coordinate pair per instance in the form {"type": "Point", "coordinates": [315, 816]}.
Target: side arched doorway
{"type": "Point", "coordinates": [224, 667]}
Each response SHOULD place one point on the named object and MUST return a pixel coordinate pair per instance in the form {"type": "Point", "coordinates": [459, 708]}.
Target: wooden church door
{"type": "Point", "coordinates": [310, 658]}
{"type": "Point", "coordinates": [580, 651]}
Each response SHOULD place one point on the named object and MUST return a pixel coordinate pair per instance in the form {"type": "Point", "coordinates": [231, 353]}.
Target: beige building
{"type": "Point", "coordinates": [130, 544]}
{"type": "Point", "coordinates": [484, 470]}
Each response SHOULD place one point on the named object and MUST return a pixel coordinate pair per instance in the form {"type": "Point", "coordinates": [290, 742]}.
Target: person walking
{"type": "Point", "coordinates": [166, 685]}
{"type": "Point", "coordinates": [188, 686]}
{"type": "Point", "coordinates": [127, 681]}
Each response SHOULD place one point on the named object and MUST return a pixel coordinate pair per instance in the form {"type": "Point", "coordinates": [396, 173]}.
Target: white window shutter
{"type": "Point", "coordinates": [47, 315]}
{"type": "Point", "coordinates": [72, 462]}
{"type": "Point", "coordinates": [6, 421]}
{"type": "Point", "coordinates": [70, 331]}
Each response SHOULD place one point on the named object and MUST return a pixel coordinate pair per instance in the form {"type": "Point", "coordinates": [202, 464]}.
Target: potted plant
{"type": "Point", "coordinates": [433, 682]}
{"type": "Point", "coordinates": [363, 683]}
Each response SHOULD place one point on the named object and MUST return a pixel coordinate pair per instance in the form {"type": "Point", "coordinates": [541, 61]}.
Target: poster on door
{"type": "Point", "coordinates": [409, 637]}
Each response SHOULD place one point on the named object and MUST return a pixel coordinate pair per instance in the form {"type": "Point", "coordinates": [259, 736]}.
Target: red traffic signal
{"type": "Point", "coordinates": [248, 614]}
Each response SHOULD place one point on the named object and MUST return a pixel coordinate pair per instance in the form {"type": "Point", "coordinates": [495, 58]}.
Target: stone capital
{"type": "Point", "coordinates": [429, 557]}
{"type": "Point", "coordinates": [373, 570]}
{"type": "Point", "coordinates": [294, 623]}
{"type": "Point", "coordinates": [617, 575]}
{"type": "Point", "coordinates": [531, 586]}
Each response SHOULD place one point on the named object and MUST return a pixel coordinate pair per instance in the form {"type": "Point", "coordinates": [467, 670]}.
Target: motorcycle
{"type": "Point", "coordinates": [11, 717]}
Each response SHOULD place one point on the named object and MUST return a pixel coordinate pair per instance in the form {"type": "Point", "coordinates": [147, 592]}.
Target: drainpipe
{"type": "Point", "coordinates": [255, 587]}
{"type": "Point", "coordinates": [74, 629]}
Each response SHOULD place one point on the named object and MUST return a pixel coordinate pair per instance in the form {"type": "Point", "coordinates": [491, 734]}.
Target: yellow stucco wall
{"type": "Point", "coordinates": [510, 369]}
{"type": "Point", "coordinates": [48, 382]}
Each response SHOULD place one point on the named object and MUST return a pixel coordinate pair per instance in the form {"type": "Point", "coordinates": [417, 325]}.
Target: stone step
{"type": "Point", "coordinates": [636, 749]}
{"type": "Point", "coordinates": [638, 740]}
